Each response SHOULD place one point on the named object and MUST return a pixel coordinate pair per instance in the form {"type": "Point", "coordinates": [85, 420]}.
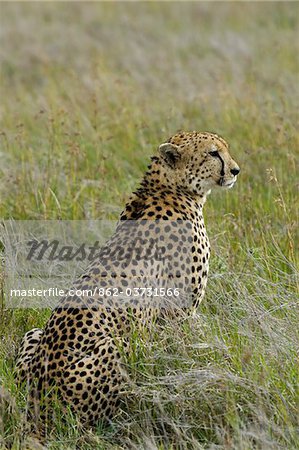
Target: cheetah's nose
{"type": "Point", "coordinates": [235, 171]}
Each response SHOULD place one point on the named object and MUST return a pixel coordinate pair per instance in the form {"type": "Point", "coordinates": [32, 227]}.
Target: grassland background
{"type": "Point", "coordinates": [88, 91]}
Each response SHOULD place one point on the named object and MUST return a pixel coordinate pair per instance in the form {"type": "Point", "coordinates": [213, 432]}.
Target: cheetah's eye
{"type": "Point", "coordinates": [214, 153]}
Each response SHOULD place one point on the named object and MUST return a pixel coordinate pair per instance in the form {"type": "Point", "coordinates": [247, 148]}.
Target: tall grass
{"type": "Point", "coordinates": [88, 91]}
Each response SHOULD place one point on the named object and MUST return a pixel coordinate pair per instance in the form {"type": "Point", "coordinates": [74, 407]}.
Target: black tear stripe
{"type": "Point", "coordinates": [222, 165]}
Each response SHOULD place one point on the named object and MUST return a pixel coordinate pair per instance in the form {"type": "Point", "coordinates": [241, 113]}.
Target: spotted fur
{"type": "Point", "coordinates": [83, 346]}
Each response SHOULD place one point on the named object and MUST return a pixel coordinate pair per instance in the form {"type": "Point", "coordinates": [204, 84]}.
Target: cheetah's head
{"type": "Point", "coordinates": [198, 162]}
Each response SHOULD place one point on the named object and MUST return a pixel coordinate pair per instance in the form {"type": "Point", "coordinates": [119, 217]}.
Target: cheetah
{"type": "Point", "coordinates": [82, 349]}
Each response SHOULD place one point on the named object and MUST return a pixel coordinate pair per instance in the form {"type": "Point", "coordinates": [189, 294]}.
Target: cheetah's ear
{"type": "Point", "coordinates": [170, 154]}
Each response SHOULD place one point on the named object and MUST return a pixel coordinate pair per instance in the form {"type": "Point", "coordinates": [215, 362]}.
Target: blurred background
{"type": "Point", "coordinates": [89, 90]}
